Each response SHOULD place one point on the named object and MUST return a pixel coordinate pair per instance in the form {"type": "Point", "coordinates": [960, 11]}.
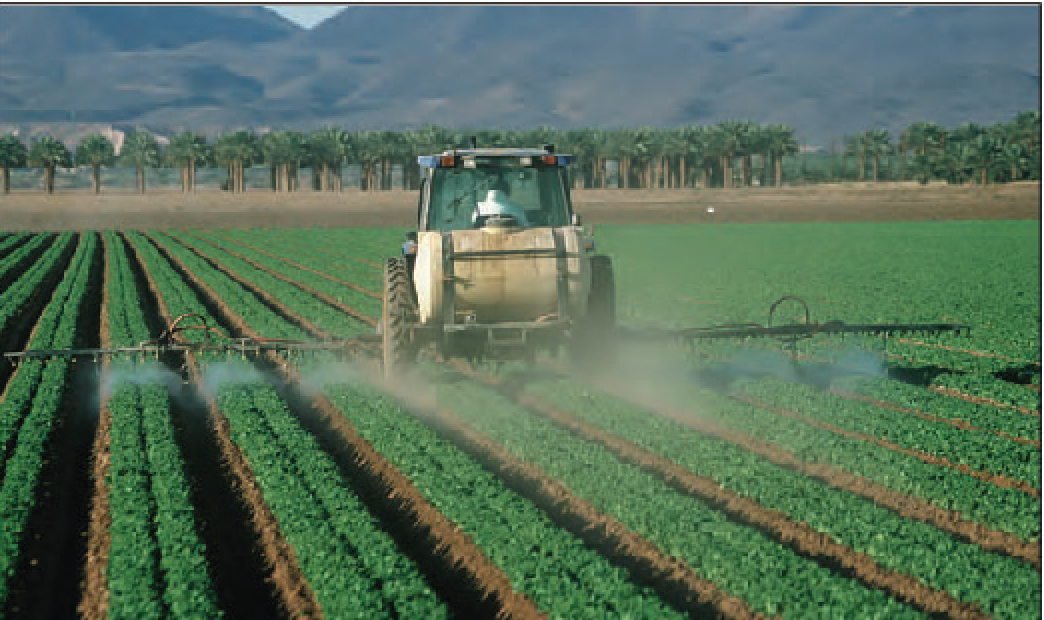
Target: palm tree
{"type": "Point", "coordinates": [95, 150]}
{"type": "Point", "coordinates": [236, 150]}
{"type": "Point", "coordinates": [282, 150]}
{"type": "Point", "coordinates": [878, 144]}
{"type": "Point", "coordinates": [857, 146]}
{"type": "Point", "coordinates": [733, 139]}
{"type": "Point", "coordinates": [13, 154]}
{"type": "Point", "coordinates": [49, 153]}
{"type": "Point", "coordinates": [1027, 130]}
{"type": "Point", "coordinates": [781, 142]}
{"type": "Point", "coordinates": [187, 150]}
{"type": "Point", "coordinates": [326, 148]}
{"type": "Point", "coordinates": [141, 150]}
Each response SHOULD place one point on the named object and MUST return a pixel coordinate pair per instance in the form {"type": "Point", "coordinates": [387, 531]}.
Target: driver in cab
{"type": "Point", "coordinates": [498, 205]}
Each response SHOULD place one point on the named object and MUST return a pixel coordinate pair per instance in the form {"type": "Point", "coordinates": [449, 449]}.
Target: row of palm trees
{"type": "Point", "coordinates": [727, 154]}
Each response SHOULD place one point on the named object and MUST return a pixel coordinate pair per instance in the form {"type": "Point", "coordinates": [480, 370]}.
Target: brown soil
{"type": "Point", "coordinates": [343, 307]}
{"type": "Point", "coordinates": [295, 594]}
{"type": "Point", "coordinates": [979, 400]}
{"type": "Point", "coordinates": [94, 604]}
{"type": "Point", "coordinates": [76, 209]}
{"type": "Point", "coordinates": [961, 424]}
{"type": "Point", "coordinates": [908, 506]}
{"type": "Point", "coordinates": [798, 536]}
{"type": "Point", "coordinates": [999, 480]}
{"type": "Point", "coordinates": [439, 537]}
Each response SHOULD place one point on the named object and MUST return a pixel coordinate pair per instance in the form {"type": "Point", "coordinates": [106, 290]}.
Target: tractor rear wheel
{"type": "Point", "coordinates": [399, 310]}
{"type": "Point", "coordinates": [593, 343]}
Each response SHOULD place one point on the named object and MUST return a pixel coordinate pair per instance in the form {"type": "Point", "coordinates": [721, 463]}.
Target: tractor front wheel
{"type": "Point", "coordinates": [399, 310]}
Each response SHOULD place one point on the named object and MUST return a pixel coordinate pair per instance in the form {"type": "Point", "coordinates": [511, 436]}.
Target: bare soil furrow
{"type": "Point", "coordinates": [437, 545]}
{"type": "Point", "coordinates": [94, 601]}
{"type": "Point", "coordinates": [328, 300]}
{"type": "Point", "coordinates": [799, 537]}
{"type": "Point", "coordinates": [351, 285]}
{"type": "Point", "coordinates": [227, 501]}
{"type": "Point", "coordinates": [961, 424]}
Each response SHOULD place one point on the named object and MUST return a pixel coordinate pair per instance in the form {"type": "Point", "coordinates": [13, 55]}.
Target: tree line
{"type": "Point", "coordinates": [732, 153]}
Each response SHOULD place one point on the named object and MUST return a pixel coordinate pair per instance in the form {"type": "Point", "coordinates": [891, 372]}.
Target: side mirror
{"type": "Point", "coordinates": [575, 220]}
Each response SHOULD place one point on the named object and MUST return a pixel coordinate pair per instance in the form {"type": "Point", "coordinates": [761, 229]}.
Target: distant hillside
{"type": "Point", "coordinates": [826, 70]}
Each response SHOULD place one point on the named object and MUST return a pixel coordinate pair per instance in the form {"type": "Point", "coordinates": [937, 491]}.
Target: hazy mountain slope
{"type": "Point", "coordinates": [826, 70]}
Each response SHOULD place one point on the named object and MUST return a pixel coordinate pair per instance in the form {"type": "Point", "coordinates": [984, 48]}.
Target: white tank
{"type": "Point", "coordinates": [502, 288]}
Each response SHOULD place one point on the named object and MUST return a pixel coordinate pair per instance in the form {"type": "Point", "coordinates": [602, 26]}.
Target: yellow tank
{"type": "Point", "coordinates": [491, 285]}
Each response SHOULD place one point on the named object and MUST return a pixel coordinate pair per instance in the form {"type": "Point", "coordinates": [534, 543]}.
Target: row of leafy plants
{"type": "Point", "coordinates": [320, 314]}
{"type": "Point", "coordinates": [341, 292]}
{"type": "Point", "coordinates": [1004, 586]}
{"type": "Point", "coordinates": [740, 559]}
{"type": "Point", "coordinates": [351, 564]}
{"type": "Point", "coordinates": [31, 406]}
{"type": "Point", "coordinates": [157, 560]}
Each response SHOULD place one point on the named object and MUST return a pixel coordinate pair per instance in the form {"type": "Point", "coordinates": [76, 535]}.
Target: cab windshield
{"type": "Point", "coordinates": [461, 197]}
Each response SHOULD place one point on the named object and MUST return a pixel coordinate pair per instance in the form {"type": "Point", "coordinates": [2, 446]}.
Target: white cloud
{"type": "Point", "coordinates": [306, 15]}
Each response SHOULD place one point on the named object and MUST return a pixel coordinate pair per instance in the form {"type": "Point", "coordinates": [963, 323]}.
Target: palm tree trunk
{"type": "Point", "coordinates": [192, 174]}
{"type": "Point", "coordinates": [96, 177]}
{"type": "Point", "coordinates": [984, 176]}
{"type": "Point", "coordinates": [48, 175]}
{"type": "Point", "coordinates": [681, 171]}
{"type": "Point", "coordinates": [862, 167]}
{"type": "Point", "coordinates": [779, 171]}
{"type": "Point", "coordinates": [875, 168]}
{"type": "Point", "coordinates": [7, 179]}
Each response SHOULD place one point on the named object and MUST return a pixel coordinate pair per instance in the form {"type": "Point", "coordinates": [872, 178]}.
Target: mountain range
{"type": "Point", "coordinates": [825, 70]}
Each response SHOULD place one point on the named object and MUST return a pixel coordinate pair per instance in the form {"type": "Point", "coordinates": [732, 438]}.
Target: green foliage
{"type": "Point", "coordinates": [30, 408]}
{"type": "Point", "coordinates": [548, 564]}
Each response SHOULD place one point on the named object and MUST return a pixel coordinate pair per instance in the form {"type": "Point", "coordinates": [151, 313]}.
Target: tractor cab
{"type": "Point", "coordinates": [475, 188]}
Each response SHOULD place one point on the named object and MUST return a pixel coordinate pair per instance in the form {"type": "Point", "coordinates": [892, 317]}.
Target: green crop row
{"type": "Point", "coordinates": [740, 560]}
{"type": "Point", "coordinates": [354, 258]}
{"type": "Point", "coordinates": [1009, 510]}
{"type": "Point", "coordinates": [351, 564]}
{"type": "Point", "coordinates": [979, 450]}
{"type": "Point", "coordinates": [988, 386]}
{"type": "Point", "coordinates": [548, 564]}
{"type": "Point", "coordinates": [12, 298]}
{"type": "Point", "coordinates": [982, 416]}
{"type": "Point", "coordinates": [253, 311]}
{"type": "Point", "coordinates": [319, 313]}
{"type": "Point", "coordinates": [157, 559]}
{"type": "Point", "coordinates": [1004, 586]}
{"type": "Point", "coordinates": [15, 258]}
{"type": "Point", "coordinates": [12, 240]}
{"type": "Point", "coordinates": [29, 433]}
{"type": "Point", "coordinates": [325, 524]}
{"type": "Point", "coordinates": [346, 294]}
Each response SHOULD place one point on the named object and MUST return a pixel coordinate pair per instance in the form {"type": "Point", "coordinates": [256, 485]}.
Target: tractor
{"type": "Point", "coordinates": [499, 266]}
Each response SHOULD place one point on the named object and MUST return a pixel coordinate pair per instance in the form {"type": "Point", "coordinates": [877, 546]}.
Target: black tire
{"type": "Point", "coordinates": [593, 342]}
{"type": "Point", "coordinates": [399, 311]}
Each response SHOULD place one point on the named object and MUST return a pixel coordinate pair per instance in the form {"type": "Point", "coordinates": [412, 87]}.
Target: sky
{"type": "Point", "coordinates": [306, 15]}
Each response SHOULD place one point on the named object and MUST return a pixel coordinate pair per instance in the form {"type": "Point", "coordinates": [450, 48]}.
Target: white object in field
{"type": "Point", "coordinates": [502, 288]}
{"type": "Point", "coordinates": [710, 209]}
{"type": "Point", "coordinates": [497, 203]}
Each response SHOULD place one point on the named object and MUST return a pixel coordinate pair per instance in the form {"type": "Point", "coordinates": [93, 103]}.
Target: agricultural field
{"type": "Point", "coordinates": [864, 477]}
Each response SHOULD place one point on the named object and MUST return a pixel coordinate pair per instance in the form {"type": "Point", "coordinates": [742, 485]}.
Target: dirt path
{"type": "Point", "coordinates": [94, 603]}
{"type": "Point", "coordinates": [259, 209]}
